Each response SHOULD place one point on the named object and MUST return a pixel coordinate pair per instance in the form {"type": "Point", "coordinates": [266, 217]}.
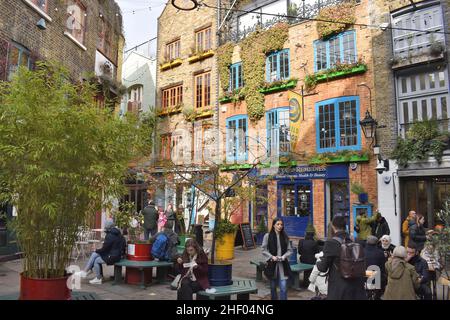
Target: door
{"type": "Point", "coordinates": [8, 244]}
{"type": "Point", "coordinates": [295, 206]}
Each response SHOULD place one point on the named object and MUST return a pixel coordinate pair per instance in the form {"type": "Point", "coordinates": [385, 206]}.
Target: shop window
{"type": "Point", "coordinates": [340, 49]}
{"type": "Point", "coordinates": [76, 20]}
{"type": "Point", "coordinates": [337, 124]}
{"type": "Point", "coordinates": [17, 56]}
{"type": "Point", "coordinates": [237, 139]}
{"type": "Point", "coordinates": [236, 77]}
{"type": "Point", "coordinates": [277, 66]}
{"type": "Point", "coordinates": [172, 50]}
{"type": "Point", "coordinates": [278, 136]}
{"type": "Point", "coordinates": [202, 90]}
{"type": "Point", "coordinates": [203, 40]}
{"type": "Point", "coordinates": [172, 97]}
{"type": "Point", "coordinates": [423, 96]}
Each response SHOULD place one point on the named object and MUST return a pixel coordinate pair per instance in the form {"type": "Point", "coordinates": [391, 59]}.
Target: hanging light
{"type": "Point", "coordinates": [369, 126]}
{"type": "Point", "coordinates": [185, 5]}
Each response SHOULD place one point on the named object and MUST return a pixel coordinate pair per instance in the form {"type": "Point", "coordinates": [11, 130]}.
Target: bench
{"type": "Point", "coordinates": [240, 287]}
{"type": "Point", "coordinates": [161, 269]}
{"type": "Point", "coordinates": [259, 269]}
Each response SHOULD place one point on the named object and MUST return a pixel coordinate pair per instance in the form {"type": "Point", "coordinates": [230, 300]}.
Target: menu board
{"type": "Point", "coordinates": [248, 242]}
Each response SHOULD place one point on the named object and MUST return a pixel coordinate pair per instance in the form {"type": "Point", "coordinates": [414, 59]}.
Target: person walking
{"type": "Point", "coordinates": [150, 220]}
{"type": "Point", "coordinates": [364, 223]}
{"type": "Point", "coordinates": [276, 249]}
{"type": "Point", "coordinates": [339, 288]}
{"type": "Point", "coordinates": [380, 227]}
{"type": "Point", "coordinates": [405, 226]}
{"type": "Point", "coordinates": [307, 249]}
{"type": "Point", "coordinates": [194, 271]}
{"type": "Point", "coordinates": [403, 279]}
{"type": "Point", "coordinates": [386, 245]}
{"type": "Point", "coordinates": [417, 233]}
{"type": "Point", "coordinates": [421, 267]}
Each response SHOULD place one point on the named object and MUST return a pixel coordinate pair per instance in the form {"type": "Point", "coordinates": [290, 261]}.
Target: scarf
{"type": "Point", "coordinates": [272, 244]}
{"type": "Point", "coordinates": [190, 273]}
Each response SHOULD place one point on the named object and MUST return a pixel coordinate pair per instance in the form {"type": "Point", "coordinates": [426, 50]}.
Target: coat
{"type": "Point", "coordinates": [364, 223]}
{"type": "Point", "coordinates": [375, 257]}
{"type": "Point", "coordinates": [403, 280]}
{"type": "Point", "coordinates": [281, 268]}
{"type": "Point", "coordinates": [339, 288]}
{"type": "Point", "coordinates": [201, 272]}
{"type": "Point", "coordinates": [150, 217]}
{"type": "Point", "coordinates": [113, 246]}
{"type": "Point", "coordinates": [417, 236]}
{"type": "Point", "coordinates": [318, 280]}
{"type": "Point", "coordinates": [307, 249]}
{"type": "Point", "coordinates": [421, 267]}
{"type": "Point", "coordinates": [380, 228]}
{"type": "Point", "coordinates": [405, 231]}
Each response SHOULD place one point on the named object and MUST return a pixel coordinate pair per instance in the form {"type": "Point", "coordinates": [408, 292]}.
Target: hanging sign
{"type": "Point", "coordinates": [295, 117]}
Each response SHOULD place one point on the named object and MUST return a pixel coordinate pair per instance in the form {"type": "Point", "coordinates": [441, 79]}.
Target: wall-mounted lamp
{"type": "Point", "coordinates": [41, 24]}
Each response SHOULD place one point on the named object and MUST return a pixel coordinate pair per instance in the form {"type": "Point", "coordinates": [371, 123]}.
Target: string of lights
{"type": "Point", "coordinates": [285, 16]}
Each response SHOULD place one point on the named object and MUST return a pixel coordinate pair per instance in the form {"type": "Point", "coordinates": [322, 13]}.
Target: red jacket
{"type": "Point", "coordinates": [200, 272]}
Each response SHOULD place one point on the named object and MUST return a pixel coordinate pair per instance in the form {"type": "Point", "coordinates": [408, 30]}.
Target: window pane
{"type": "Point", "coordinates": [231, 139]}
{"type": "Point", "coordinates": [414, 107]}
{"type": "Point", "coordinates": [424, 110]}
{"type": "Point", "coordinates": [422, 82]}
{"type": "Point", "coordinates": [321, 56]}
{"type": "Point", "coordinates": [441, 79]}
{"type": "Point", "coordinates": [335, 52]}
{"type": "Point", "coordinates": [432, 80]}
{"type": "Point", "coordinates": [405, 113]}
{"type": "Point", "coordinates": [433, 108]}
{"type": "Point", "coordinates": [349, 48]}
{"type": "Point", "coordinates": [242, 136]}
{"type": "Point", "coordinates": [76, 21]}
{"type": "Point", "coordinates": [207, 90]}
{"type": "Point", "coordinates": [198, 91]}
{"type": "Point", "coordinates": [404, 85]}
{"type": "Point", "coordinates": [347, 123]}
{"type": "Point", "coordinates": [327, 126]}
{"type": "Point", "coordinates": [413, 83]}
{"type": "Point", "coordinates": [13, 61]}
{"type": "Point", "coordinates": [284, 135]}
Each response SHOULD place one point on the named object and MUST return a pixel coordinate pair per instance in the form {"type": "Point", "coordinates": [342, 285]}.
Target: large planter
{"type": "Point", "coordinates": [225, 247]}
{"type": "Point", "coordinates": [220, 274]}
{"type": "Point", "coordinates": [44, 289]}
{"type": "Point", "coordinates": [139, 252]}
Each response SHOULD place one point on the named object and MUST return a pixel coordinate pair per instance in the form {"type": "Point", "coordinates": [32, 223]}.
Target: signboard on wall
{"type": "Point", "coordinates": [308, 172]}
{"type": "Point", "coordinates": [295, 117]}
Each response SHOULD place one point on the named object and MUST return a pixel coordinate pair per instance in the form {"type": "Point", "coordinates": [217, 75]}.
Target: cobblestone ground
{"type": "Point", "coordinates": [9, 282]}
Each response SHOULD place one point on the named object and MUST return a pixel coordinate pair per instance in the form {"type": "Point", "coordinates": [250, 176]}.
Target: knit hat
{"type": "Point", "coordinates": [372, 240]}
{"type": "Point", "coordinates": [400, 252]}
{"type": "Point", "coordinates": [109, 224]}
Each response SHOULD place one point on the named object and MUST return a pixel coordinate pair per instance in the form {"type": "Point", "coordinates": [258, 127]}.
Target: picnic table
{"type": "Point", "coordinates": [240, 287]}
{"type": "Point", "coordinates": [161, 270]}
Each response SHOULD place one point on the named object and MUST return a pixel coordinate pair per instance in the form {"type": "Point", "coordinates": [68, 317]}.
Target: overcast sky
{"type": "Point", "coordinates": [140, 22]}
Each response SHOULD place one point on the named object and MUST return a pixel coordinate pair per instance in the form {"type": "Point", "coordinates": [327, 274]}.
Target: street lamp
{"type": "Point", "coordinates": [185, 5]}
{"type": "Point", "coordinates": [369, 126]}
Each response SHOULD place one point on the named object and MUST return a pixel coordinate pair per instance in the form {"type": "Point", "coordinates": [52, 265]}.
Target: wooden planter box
{"type": "Point", "coordinates": [202, 56]}
{"type": "Point", "coordinates": [170, 65]}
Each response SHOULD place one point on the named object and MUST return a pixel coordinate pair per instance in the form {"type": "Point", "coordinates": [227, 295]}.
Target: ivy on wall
{"type": "Point", "coordinates": [225, 55]}
{"type": "Point", "coordinates": [343, 12]}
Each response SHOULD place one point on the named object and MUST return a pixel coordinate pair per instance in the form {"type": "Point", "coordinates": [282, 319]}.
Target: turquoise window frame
{"type": "Point", "coordinates": [277, 55]}
{"type": "Point", "coordinates": [235, 68]}
{"type": "Point", "coordinates": [275, 113]}
{"type": "Point", "coordinates": [236, 157]}
{"type": "Point", "coordinates": [337, 127]}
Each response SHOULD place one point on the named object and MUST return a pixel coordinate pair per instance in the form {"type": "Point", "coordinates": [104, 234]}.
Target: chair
{"type": "Point", "coordinates": [93, 240]}
{"type": "Point", "coordinates": [81, 243]}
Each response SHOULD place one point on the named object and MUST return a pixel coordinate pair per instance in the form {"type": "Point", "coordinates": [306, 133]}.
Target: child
{"type": "Point", "coordinates": [161, 220]}
{"type": "Point", "coordinates": [318, 281]}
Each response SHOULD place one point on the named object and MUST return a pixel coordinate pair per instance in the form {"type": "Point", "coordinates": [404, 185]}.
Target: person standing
{"type": "Point", "coordinates": [421, 266]}
{"type": "Point", "coordinates": [162, 219]}
{"type": "Point", "coordinates": [364, 225]}
{"type": "Point", "coordinates": [386, 245]}
{"type": "Point", "coordinates": [339, 288]}
{"type": "Point", "coordinates": [180, 226]}
{"type": "Point", "coordinates": [380, 227]}
{"type": "Point", "coordinates": [375, 257]}
{"type": "Point", "coordinates": [150, 220]}
{"type": "Point", "coordinates": [417, 233]}
{"type": "Point", "coordinates": [307, 249]}
{"type": "Point", "coordinates": [276, 249]}
{"type": "Point", "coordinates": [170, 214]}
{"type": "Point", "coordinates": [405, 226]}
{"type": "Point", "coordinates": [403, 279]}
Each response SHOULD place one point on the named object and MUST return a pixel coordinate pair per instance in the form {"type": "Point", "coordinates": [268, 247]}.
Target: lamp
{"type": "Point", "coordinates": [369, 126]}
{"type": "Point", "coordinates": [185, 5]}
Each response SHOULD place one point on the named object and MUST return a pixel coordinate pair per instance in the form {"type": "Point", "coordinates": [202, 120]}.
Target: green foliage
{"type": "Point", "coordinates": [440, 240]}
{"type": "Point", "coordinates": [62, 157]}
{"type": "Point", "coordinates": [357, 188]}
{"type": "Point", "coordinates": [346, 156]}
{"type": "Point", "coordinates": [224, 59]}
{"type": "Point", "coordinates": [343, 12]}
{"type": "Point", "coordinates": [224, 227]}
{"type": "Point", "coordinates": [421, 139]}
{"type": "Point", "coordinates": [254, 50]}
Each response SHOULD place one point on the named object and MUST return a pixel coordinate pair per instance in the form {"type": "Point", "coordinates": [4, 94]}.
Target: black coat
{"type": "Point", "coordinates": [307, 248]}
{"type": "Point", "coordinates": [417, 236]}
{"type": "Point", "coordinates": [113, 247]}
{"type": "Point", "coordinates": [338, 287]}
{"type": "Point", "coordinates": [151, 216]}
{"type": "Point", "coordinates": [421, 268]}
{"type": "Point", "coordinates": [380, 228]}
{"type": "Point", "coordinates": [375, 257]}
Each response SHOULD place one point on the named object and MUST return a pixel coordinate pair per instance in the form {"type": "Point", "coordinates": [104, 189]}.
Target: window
{"type": "Point", "coordinates": [202, 90]}
{"type": "Point", "coordinates": [406, 42]}
{"type": "Point", "coordinates": [165, 146]}
{"type": "Point", "coordinates": [203, 40]}
{"type": "Point", "coordinates": [177, 150]}
{"type": "Point", "coordinates": [236, 78]}
{"type": "Point", "coordinates": [277, 65]}
{"type": "Point", "coordinates": [17, 56]}
{"type": "Point", "coordinates": [337, 124]}
{"type": "Point", "coordinates": [237, 139]}
{"type": "Point", "coordinates": [172, 97]}
{"type": "Point", "coordinates": [204, 139]}
{"type": "Point", "coordinates": [423, 95]}
{"type": "Point", "coordinates": [76, 20]}
{"type": "Point", "coordinates": [278, 136]}
{"type": "Point", "coordinates": [41, 4]}
{"type": "Point", "coordinates": [173, 50]}
{"type": "Point", "coordinates": [338, 49]}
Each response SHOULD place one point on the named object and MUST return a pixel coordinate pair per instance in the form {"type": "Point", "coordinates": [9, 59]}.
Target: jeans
{"type": "Point", "coordinates": [187, 289]}
{"type": "Point", "coordinates": [149, 232]}
{"type": "Point", "coordinates": [273, 288]}
{"type": "Point", "coordinates": [95, 261]}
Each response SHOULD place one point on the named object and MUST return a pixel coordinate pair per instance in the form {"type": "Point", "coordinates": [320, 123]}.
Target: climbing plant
{"type": "Point", "coordinates": [253, 54]}
{"type": "Point", "coordinates": [225, 54]}
{"type": "Point", "coordinates": [343, 12]}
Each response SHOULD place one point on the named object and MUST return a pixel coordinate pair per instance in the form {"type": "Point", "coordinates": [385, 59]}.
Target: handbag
{"type": "Point", "coordinates": [174, 284]}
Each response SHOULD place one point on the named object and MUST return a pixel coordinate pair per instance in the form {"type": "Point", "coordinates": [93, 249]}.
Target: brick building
{"type": "Point", "coordinates": [85, 36]}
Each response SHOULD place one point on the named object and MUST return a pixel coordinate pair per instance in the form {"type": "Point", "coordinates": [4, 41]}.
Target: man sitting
{"type": "Point", "coordinates": [421, 267]}
{"type": "Point", "coordinates": [165, 243]}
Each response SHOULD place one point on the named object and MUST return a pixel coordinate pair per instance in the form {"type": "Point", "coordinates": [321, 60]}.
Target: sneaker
{"type": "Point", "coordinates": [96, 281]}
{"type": "Point", "coordinates": [83, 274]}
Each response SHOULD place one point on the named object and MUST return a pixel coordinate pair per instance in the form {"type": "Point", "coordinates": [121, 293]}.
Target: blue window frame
{"type": "Point", "coordinates": [236, 78]}
{"type": "Point", "coordinates": [278, 66]}
{"type": "Point", "coordinates": [237, 138]}
{"type": "Point", "coordinates": [278, 135]}
{"type": "Point", "coordinates": [337, 124]}
{"type": "Point", "coordinates": [338, 49]}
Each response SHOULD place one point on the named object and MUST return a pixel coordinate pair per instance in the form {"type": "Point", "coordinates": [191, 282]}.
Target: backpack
{"type": "Point", "coordinates": [352, 261]}
{"type": "Point", "coordinates": [160, 248]}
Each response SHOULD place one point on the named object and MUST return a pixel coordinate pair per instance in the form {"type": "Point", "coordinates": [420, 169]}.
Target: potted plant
{"type": "Point", "coordinates": [65, 158]}
{"type": "Point", "coordinates": [359, 190]}
{"type": "Point", "coordinates": [261, 230]}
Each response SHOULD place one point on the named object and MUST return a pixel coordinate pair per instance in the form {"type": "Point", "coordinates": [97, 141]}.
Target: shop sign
{"type": "Point", "coordinates": [307, 172]}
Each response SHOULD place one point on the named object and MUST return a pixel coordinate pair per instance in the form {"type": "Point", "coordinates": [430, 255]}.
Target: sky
{"type": "Point", "coordinates": [140, 22]}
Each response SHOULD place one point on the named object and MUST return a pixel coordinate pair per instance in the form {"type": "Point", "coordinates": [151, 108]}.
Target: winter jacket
{"type": "Point", "coordinates": [170, 214]}
{"type": "Point", "coordinates": [338, 287]}
{"type": "Point", "coordinates": [375, 257]}
{"type": "Point", "coordinates": [200, 272]}
{"type": "Point", "coordinates": [387, 252]}
{"type": "Point", "coordinates": [417, 236]}
{"type": "Point", "coordinates": [150, 217]}
{"type": "Point", "coordinates": [380, 228]}
{"type": "Point", "coordinates": [364, 223]}
{"type": "Point", "coordinates": [421, 267]}
{"type": "Point", "coordinates": [307, 248]}
{"type": "Point", "coordinates": [403, 280]}
{"type": "Point", "coordinates": [113, 246]}
{"type": "Point", "coordinates": [173, 242]}
{"type": "Point", "coordinates": [405, 230]}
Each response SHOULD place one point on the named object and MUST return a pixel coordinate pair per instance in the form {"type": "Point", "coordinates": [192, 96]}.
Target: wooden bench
{"type": "Point", "coordinates": [161, 270]}
{"type": "Point", "coordinates": [240, 287]}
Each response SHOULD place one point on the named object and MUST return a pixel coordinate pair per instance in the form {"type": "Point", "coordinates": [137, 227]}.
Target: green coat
{"type": "Point", "coordinates": [403, 280]}
{"type": "Point", "coordinates": [364, 223]}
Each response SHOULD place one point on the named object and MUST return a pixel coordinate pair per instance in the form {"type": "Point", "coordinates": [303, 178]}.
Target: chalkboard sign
{"type": "Point", "coordinates": [248, 242]}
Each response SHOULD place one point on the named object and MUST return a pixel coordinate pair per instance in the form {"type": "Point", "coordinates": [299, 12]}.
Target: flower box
{"type": "Point", "coordinates": [242, 166]}
{"type": "Point", "coordinates": [200, 56]}
{"type": "Point", "coordinates": [171, 64]}
{"type": "Point", "coordinates": [285, 86]}
{"type": "Point", "coordinates": [339, 74]}
{"type": "Point", "coordinates": [340, 159]}
{"type": "Point", "coordinates": [169, 111]}
{"type": "Point", "coordinates": [204, 114]}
